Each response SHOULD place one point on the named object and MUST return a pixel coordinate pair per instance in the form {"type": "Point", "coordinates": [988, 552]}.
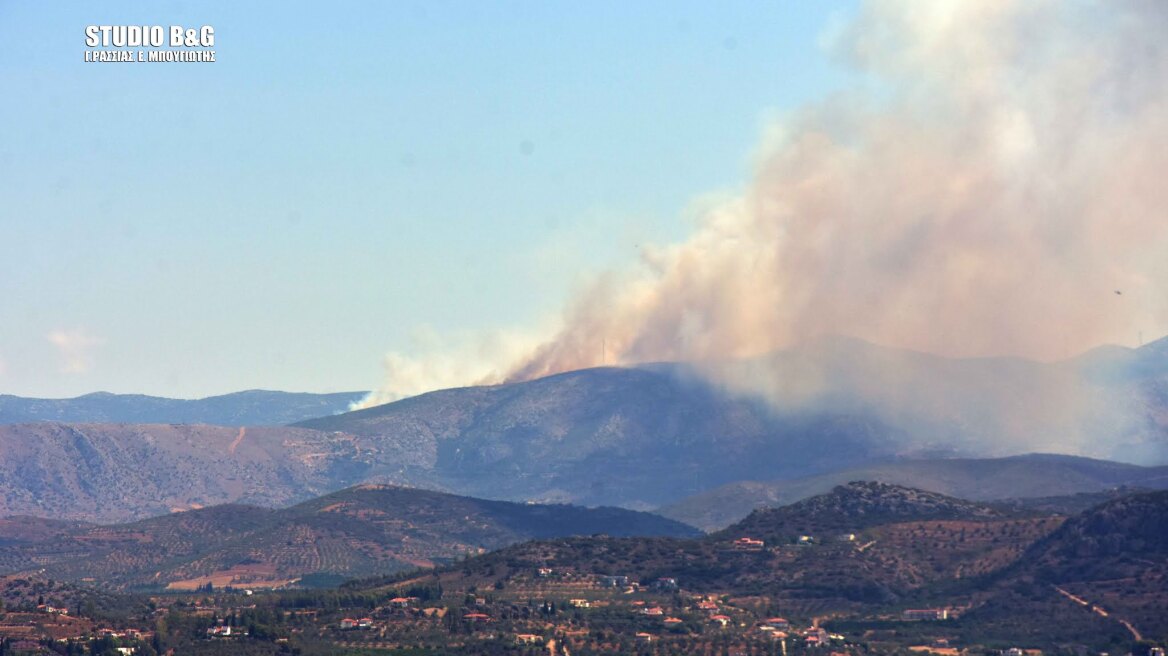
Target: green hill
{"type": "Point", "coordinates": [361, 531]}
{"type": "Point", "coordinates": [866, 543]}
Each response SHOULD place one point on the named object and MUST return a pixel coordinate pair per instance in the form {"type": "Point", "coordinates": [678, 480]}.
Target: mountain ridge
{"type": "Point", "coordinates": [244, 408]}
{"type": "Point", "coordinates": [641, 437]}
{"type": "Point", "coordinates": [983, 479]}
{"type": "Point", "coordinates": [360, 531]}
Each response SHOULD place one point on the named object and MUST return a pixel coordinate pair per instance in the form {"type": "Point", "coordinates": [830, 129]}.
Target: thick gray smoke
{"type": "Point", "coordinates": [996, 186]}
{"type": "Point", "coordinates": [999, 179]}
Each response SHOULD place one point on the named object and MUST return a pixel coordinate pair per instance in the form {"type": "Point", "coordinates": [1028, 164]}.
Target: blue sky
{"type": "Point", "coordinates": [348, 173]}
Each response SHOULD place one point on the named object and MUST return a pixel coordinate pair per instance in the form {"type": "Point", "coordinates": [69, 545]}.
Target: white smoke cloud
{"type": "Point", "coordinates": [75, 349]}
{"type": "Point", "coordinates": [986, 190]}
{"type": "Point", "coordinates": [986, 193]}
{"type": "Point", "coordinates": [436, 361]}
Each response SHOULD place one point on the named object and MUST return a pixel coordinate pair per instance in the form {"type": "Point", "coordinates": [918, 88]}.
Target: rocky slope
{"type": "Point", "coordinates": [116, 472]}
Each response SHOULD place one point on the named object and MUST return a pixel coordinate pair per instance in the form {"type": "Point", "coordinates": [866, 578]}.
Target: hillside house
{"type": "Point", "coordinates": [614, 581]}
{"type": "Point", "coordinates": [665, 583]}
{"type": "Point", "coordinates": [644, 638]}
{"type": "Point", "coordinates": [747, 544]}
{"type": "Point", "coordinates": [721, 620]}
{"type": "Point", "coordinates": [776, 624]}
{"type": "Point", "coordinates": [528, 639]}
{"type": "Point", "coordinates": [346, 624]}
{"type": "Point", "coordinates": [816, 636]}
{"type": "Point", "coordinates": [580, 603]}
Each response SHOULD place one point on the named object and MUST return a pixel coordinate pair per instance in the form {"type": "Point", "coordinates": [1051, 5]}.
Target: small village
{"type": "Point", "coordinates": [545, 611]}
{"type": "Point", "coordinates": [529, 609]}
{"type": "Point", "coordinates": [542, 610]}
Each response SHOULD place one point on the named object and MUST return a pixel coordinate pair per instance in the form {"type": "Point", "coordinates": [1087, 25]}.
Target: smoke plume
{"type": "Point", "coordinates": [999, 178]}
{"type": "Point", "coordinates": [994, 185]}
{"type": "Point", "coordinates": [437, 361]}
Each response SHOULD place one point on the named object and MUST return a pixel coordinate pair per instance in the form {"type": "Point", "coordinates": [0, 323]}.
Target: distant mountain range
{"type": "Point", "coordinates": [641, 437]}
{"type": "Point", "coordinates": [122, 472]}
{"type": "Point", "coordinates": [630, 437]}
{"type": "Point", "coordinates": [361, 531]}
{"type": "Point", "coordinates": [637, 437]}
{"type": "Point", "coordinates": [250, 408]}
{"type": "Point", "coordinates": [985, 479]}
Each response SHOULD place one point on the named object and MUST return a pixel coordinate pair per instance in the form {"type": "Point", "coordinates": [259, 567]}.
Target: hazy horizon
{"type": "Point", "coordinates": [405, 198]}
{"type": "Point", "coordinates": [625, 365]}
